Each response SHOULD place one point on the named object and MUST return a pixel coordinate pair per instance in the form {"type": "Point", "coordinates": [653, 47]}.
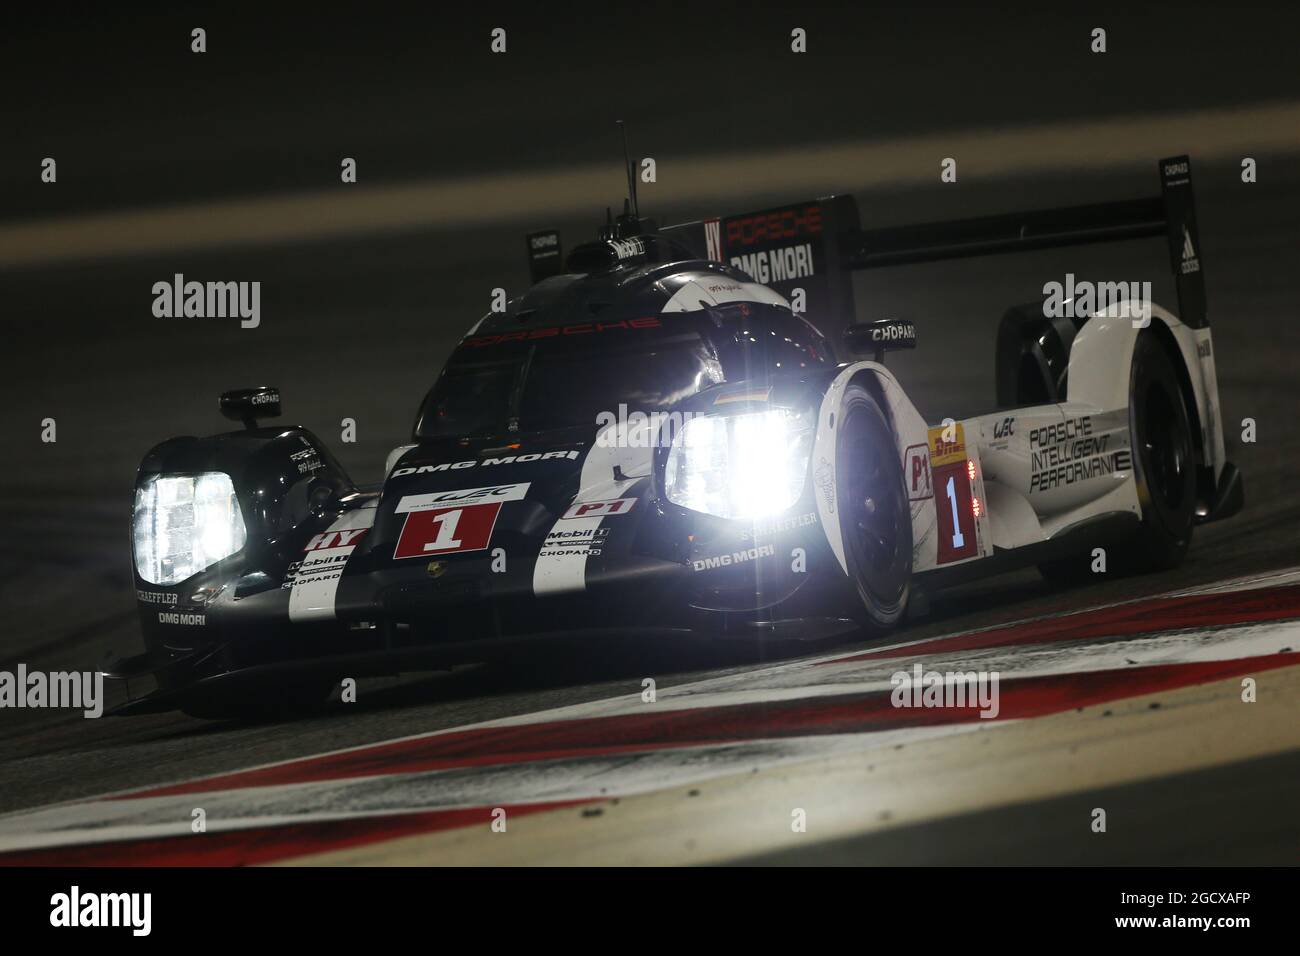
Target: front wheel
{"type": "Point", "coordinates": [874, 513]}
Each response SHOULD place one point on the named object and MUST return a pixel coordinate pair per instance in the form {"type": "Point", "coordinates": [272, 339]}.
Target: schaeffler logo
{"type": "Point", "coordinates": [208, 300]}
{"type": "Point", "coordinates": [950, 689]}
{"type": "Point", "coordinates": [624, 429]}
{"type": "Point", "coordinates": [75, 909]}
{"type": "Point", "coordinates": [1081, 299]}
{"type": "Point", "coordinates": [52, 690]}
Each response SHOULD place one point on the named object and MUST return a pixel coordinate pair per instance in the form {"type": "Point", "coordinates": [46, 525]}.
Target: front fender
{"type": "Point", "coordinates": [287, 485]}
{"type": "Point", "coordinates": [909, 430]}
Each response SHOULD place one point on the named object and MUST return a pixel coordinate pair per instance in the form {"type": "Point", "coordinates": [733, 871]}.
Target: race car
{"type": "Point", "coordinates": [661, 438]}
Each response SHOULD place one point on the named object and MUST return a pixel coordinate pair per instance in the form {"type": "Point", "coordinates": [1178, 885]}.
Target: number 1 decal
{"type": "Point", "coordinates": [446, 522]}
{"type": "Point", "coordinates": [447, 530]}
{"type": "Point", "coordinates": [443, 522]}
{"type": "Point", "coordinates": [958, 539]}
{"type": "Point", "coordinates": [956, 517]}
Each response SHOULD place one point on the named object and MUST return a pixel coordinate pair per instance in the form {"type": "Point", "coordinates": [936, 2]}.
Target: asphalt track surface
{"type": "Point", "coordinates": [358, 327]}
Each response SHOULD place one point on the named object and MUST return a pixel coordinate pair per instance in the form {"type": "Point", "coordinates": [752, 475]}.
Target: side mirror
{"type": "Point", "coordinates": [880, 337]}
{"type": "Point", "coordinates": [247, 405]}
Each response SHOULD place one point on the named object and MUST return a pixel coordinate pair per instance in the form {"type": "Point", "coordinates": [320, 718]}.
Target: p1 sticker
{"type": "Point", "coordinates": [916, 469]}
{"type": "Point", "coordinates": [593, 509]}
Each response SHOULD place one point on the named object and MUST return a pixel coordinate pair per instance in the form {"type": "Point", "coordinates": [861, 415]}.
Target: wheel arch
{"type": "Point", "coordinates": [1163, 334]}
{"type": "Point", "coordinates": [905, 422]}
{"type": "Point", "coordinates": [1101, 359]}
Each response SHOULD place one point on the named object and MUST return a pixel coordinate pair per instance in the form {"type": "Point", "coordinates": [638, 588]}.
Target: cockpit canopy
{"type": "Point", "coordinates": [558, 376]}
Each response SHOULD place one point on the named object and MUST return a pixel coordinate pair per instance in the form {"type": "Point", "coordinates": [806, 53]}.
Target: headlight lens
{"type": "Point", "coordinates": [740, 466]}
{"type": "Point", "coordinates": [185, 523]}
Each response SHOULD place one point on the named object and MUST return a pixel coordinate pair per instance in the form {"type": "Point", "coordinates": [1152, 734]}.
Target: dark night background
{"type": "Point", "coordinates": [225, 166]}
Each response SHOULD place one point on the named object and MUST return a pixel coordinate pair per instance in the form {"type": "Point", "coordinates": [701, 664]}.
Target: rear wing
{"type": "Point", "coordinates": [808, 251]}
{"type": "Point", "coordinates": [1171, 214]}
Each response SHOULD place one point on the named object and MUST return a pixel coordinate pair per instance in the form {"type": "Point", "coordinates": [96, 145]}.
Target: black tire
{"type": "Point", "coordinates": [1164, 458]}
{"type": "Point", "coordinates": [874, 512]}
{"type": "Point", "coordinates": [262, 703]}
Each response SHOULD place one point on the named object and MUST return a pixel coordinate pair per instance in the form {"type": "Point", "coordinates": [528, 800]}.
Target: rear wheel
{"type": "Point", "coordinates": [1164, 457]}
{"type": "Point", "coordinates": [1164, 460]}
{"type": "Point", "coordinates": [874, 512]}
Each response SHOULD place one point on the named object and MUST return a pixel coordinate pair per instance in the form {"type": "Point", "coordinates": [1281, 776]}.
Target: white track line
{"type": "Point", "coordinates": [775, 680]}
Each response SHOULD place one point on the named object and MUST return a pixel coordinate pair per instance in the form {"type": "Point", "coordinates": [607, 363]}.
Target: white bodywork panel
{"type": "Point", "coordinates": [708, 288]}
{"type": "Point", "coordinates": [1103, 351]}
{"type": "Point", "coordinates": [1039, 470]}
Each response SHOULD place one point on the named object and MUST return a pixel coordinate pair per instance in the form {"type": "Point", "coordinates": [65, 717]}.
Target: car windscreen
{"type": "Point", "coordinates": [765, 340]}
{"type": "Point", "coordinates": [560, 377]}
{"type": "Point", "coordinates": [564, 387]}
{"type": "Point", "coordinates": [471, 399]}
{"type": "Point", "coordinates": [553, 384]}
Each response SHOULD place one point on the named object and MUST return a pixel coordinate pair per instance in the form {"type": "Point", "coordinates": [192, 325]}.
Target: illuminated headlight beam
{"type": "Point", "coordinates": [183, 524]}
{"type": "Point", "coordinates": [741, 466]}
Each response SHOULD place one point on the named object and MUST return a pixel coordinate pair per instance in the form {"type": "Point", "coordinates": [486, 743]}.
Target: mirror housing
{"type": "Point", "coordinates": [247, 405]}
{"type": "Point", "coordinates": [877, 338]}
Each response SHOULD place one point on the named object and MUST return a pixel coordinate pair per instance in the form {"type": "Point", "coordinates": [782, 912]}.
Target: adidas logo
{"type": "Point", "coordinates": [1190, 262]}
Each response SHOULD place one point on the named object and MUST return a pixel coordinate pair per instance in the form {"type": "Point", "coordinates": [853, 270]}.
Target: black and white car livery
{"type": "Point", "coordinates": [651, 441]}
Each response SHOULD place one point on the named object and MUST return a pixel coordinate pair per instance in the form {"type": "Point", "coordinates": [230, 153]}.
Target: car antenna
{"type": "Point", "coordinates": [631, 173]}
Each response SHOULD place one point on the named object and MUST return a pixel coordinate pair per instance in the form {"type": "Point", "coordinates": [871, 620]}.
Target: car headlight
{"type": "Point", "coordinates": [185, 523]}
{"type": "Point", "coordinates": [740, 466]}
